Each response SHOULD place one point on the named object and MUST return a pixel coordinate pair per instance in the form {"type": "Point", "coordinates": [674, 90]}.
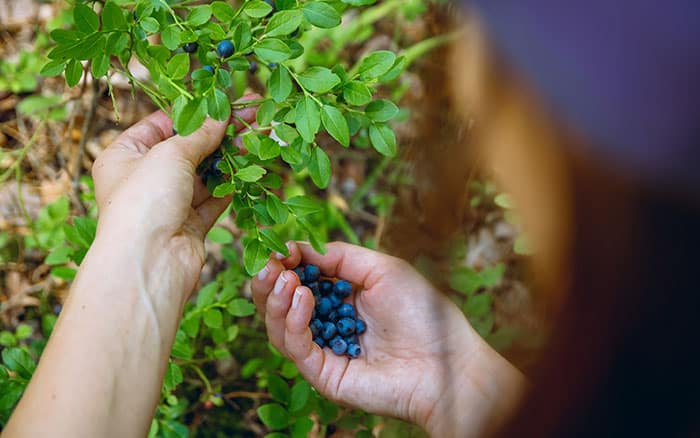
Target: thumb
{"type": "Point", "coordinates": [197, 146]}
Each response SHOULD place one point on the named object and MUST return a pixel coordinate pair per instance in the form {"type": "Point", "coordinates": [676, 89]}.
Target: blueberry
{"type": "Point", "coordinates": [333, 316]}
{"type": "Point", "coordinates": [190, 47]}
{"type": "Point", "coordinates": [352, 339]}
{"type": "Point", "coordinates": [135, 15]}
{"type": "Point", "coordinates": [274, 8]}
{"type": "Point", "coordinates": [215, 171]}
{"type": "Point", "coordinates": [342, 288]}
{"type": "Point", "coordinates": [326, 287]}
{"type": "Point", "coordinates": [320, 342]}
{"type": "Point", "coordinates": [338, 345]}
{"type": "Point", "coordinates": [346, 310]}
{"type": "Point", "coordinates": [354, 350]}
{"type": "Point", "coordinates": [225, 48]}
{"type": "Point", "coordinates": [294, 34]}
{"type": "Point", "coordinates": [313, 311]}
{"type": "Point", "coordinates": [312, 273]}
{"type": "Point", "coordinates": [253, 67]}
{"type": "Point", "coordinates": [316, 325]}
{"type": "Point", "coordinates": [335, 301]}
{"type": "Point", "coordinates": [209, 68]}
{"type": "Point", "coordinates": [324, 306]}
{"type": "Point", "coordinates": [314, 287]}
{"type": "Point", "coordinates": [360, 326]}
{"type": "Point", "coordinates": [328, 331]}
{"type": "Point", "coordinates": [272, 65]}
{"type": "Point", "coordinates": [300, 273]}
{"type": "Point", "coordinates": [346, 326]}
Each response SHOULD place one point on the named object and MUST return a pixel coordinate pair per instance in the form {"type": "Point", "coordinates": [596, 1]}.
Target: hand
{"type": "Point", "coordinates": [421, 361]}
{"type": "Point", "coordinates": [151, 200]}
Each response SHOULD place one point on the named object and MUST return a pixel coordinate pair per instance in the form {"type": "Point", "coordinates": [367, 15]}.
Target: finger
{"type": "Point", "coordinates": [278, 303]}
{"type": "Point", "coordinates": [356, 264]}
{"type": "Point", "coordinates": [293, 259]}
{"type": "Point", "coordinates": [263, 283]}
{"type": "Point", "coordinates": [194, 148]}
{"type": "Point", "coordinates": [298, 342]}
{"type": "Point", "coordinates": [147, 133]}
{"type": "Point", "coordinates": [211, 210]}
{"type": "Point", "coordinates": [201, 193]}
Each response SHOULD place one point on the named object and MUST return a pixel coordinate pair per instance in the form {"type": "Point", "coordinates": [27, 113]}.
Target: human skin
{"type": "Point", "coordinates": [102, 370]}
{"type": "Point", "coordinates": [421, 361]}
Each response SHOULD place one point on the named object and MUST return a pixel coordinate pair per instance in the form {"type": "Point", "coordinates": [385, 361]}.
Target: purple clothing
{"type": "Point", "coordinates": [624, 74]}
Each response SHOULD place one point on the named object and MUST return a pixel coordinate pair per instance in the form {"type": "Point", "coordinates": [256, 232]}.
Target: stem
{"type": "Point", "coordinates": [20, 198]}
{"type": "Point", "coordinates": [22, 153]}
{"type": "Point", "coordinates": [201, 375]}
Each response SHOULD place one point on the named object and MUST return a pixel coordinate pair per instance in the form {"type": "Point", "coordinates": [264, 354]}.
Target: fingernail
{"type": "Point", "coordinates": [280, 256]}
{"type": "Point", "coordinates": [280, 283]}
{"type": "Point", "coordinates": [297, 297]}
{"type": "Point", "coordinates": [264, 273]}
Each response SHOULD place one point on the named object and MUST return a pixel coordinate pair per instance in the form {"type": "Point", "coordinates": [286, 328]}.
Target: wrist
{"type": "Point", "coordinates": [482, 391]}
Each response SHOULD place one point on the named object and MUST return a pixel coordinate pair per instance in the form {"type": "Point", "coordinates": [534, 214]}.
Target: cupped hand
{"type": "Point", "coordinates": [153, 207]}
{"type": "Point", "coordinates": [415, 336]}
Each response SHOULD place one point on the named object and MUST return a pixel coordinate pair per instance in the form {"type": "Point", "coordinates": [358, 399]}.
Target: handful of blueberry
{"type": "Point", "coordinates": [333, 323]}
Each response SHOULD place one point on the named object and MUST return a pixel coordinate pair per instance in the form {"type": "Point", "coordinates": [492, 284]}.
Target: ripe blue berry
{"type": "Point", "coordinates": [314, 288]}
{"type": "Point", "coordinates": [346, 310]}
{"type": "Point", "coordinates": [328, 331]}
{"type": "Point", "coordinates": [333, 316]}
{"type": "Point", "coordinates": [316, 326]}
{"type": "Point", "coordinates": [346, 326]}
{"type": "Point", "coordinates": [320, 342]}
{"type": "Point", "coordinates": [313, 273]}
{"type": "Point", "coordinates": [352, 339]}
{"type": "Point", "coordinates": [338, 345]}
{"type": "Point", "coordinates": [342, 288]}
{"type": "Point", "coordinates": [190, 47]}
{"type": "Point", "coordinates": [335, 301]}
{"type": "Point", "coordinates": [324, 306]}
{"type": "Point", "coordinates": [300, 273]}
{"type": "Point", "coordinates": [253, 67]}
{"type": "Point", "coordinates": [354, 350]}
{"type": "Point", "coordinates": [209, 68]}
{"type": "Point", "coordinates": [360, 326]}
{"type": "Point", "coordinates": [326, 287]}
{"type": "Point", "coordinates": [272, 65]}
{"type": "Point", "coordinates": [225, 48]}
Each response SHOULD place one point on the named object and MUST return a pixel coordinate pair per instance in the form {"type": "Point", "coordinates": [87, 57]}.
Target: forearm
{"type": "Point", "coordinates": [484, 392]}
{"type": "Point", "coordinates": [101, 372]}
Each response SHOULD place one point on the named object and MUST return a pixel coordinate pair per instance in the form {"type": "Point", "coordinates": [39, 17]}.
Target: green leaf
{"type": "Point", "coordinates": [179, 66]}
{"type": "Point", "coordinates": [274, 241]}
{"type": "Point", "coordinates": [173, 376]}
{"type": "Point", "coordinates": [171, 37]}
{"type": "Point", "coordinates": [320, 168]}
{"type": "Point", "coordinates": [59, 255]}
{"type": "Point", "coordinates": [23, 331]}
{"type": "Point", "coordinates": [213, 318]}
{"type": "Point", "coordinates": [492, 275]}
{"type": "Point", "coordinates": [7, 339]}
{"type": "Point", "coordinates": [273, 416]}
{"type": "Point", "coordinates": [335, 124]}
{"type": "Point", "coordinates": [257, 9]}
{"type": "Point", "coordinates": [266, 113]}
{"type": "Point", "coordinates": [74, 71]}
{"type": "Point", "coordinates": [19, 361]}
{"type": "Point", "coordinates": [240, 307]}
{"type": "Point", "coordinates": [113, 17]}
{"type": "Point", "coordinates": [272, 50]}
{"type": "Point", "coordinates": [207, 295]}
{"type": "Point", "coordinates": [303, 206]}
{"type": "Point", "coordinates": [220, 235]}
{"type": "Point", "coordinates": [308, 118]}
{"type": "Point", "coordinates": [100, 65]}
{"type": "Point", "coordinates": [191, 117]}
{"type": "Point", "coordinates": [522, 246]}
{"type": "Point", "coordinates": [251, 143]}
{"type": "Point", "coordinates": [279, 389]}
{"type": "Point", "coordinates": [356, 93]}
{"type": "Point", "coordinates": [53, 68]}
{"type": "Point", "coordinates": [280, 84]}
{"type": "Point", "coordinates": [219, 106]}
{"type": "Point", "coordinates": [299, 397]}
{"type": "Point", "coordinates": [255, 256]}
{"type": "Point", "coordinates": [277, 210]}
{"type": "Point", "coordinates": [199, 15]}
{"type": "Point", "coordinates": [251, 173]}
{"type": "Point", "coordinates": [291, 155]}
{"type": "Point", "coordinates": [318, 79]}
{"type": "Point", "coordinates": [381, 110]}
{"type": "Point", "coordinates": [503, 200]}
{"type": "Point", "coordinates": [478, 305]}
{"type": "Point", "coordinates": [465, 280]}
{"type": "Point", "coordinates": [269, 149]}
{"type": "Point", "coordinates": [224, 189]}
{"type": "Point", "coordinates": [376, 64]}
{"type": "Point", "coordinates": [284, 23]}
{"type": "Point", "coordinates": [10, 393]}
{"type": "Point", "coordinates": [321, 15]}
{"type": "Point", "coordinates": [86, 20]}
{"type": "Point", "coordinates": [383, 139]}
{"type": "Point", "coordinates": [150, 25]}
{"type": "Point", "coordinates": [223, 11]}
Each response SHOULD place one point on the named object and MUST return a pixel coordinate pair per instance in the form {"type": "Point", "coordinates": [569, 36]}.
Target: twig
{"type": "Point", "coordinates": [87, 124]}
{"type": "Point", "coordinates": [23, 153]}
{"type": "Point", "coordinates": [246, 394]}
